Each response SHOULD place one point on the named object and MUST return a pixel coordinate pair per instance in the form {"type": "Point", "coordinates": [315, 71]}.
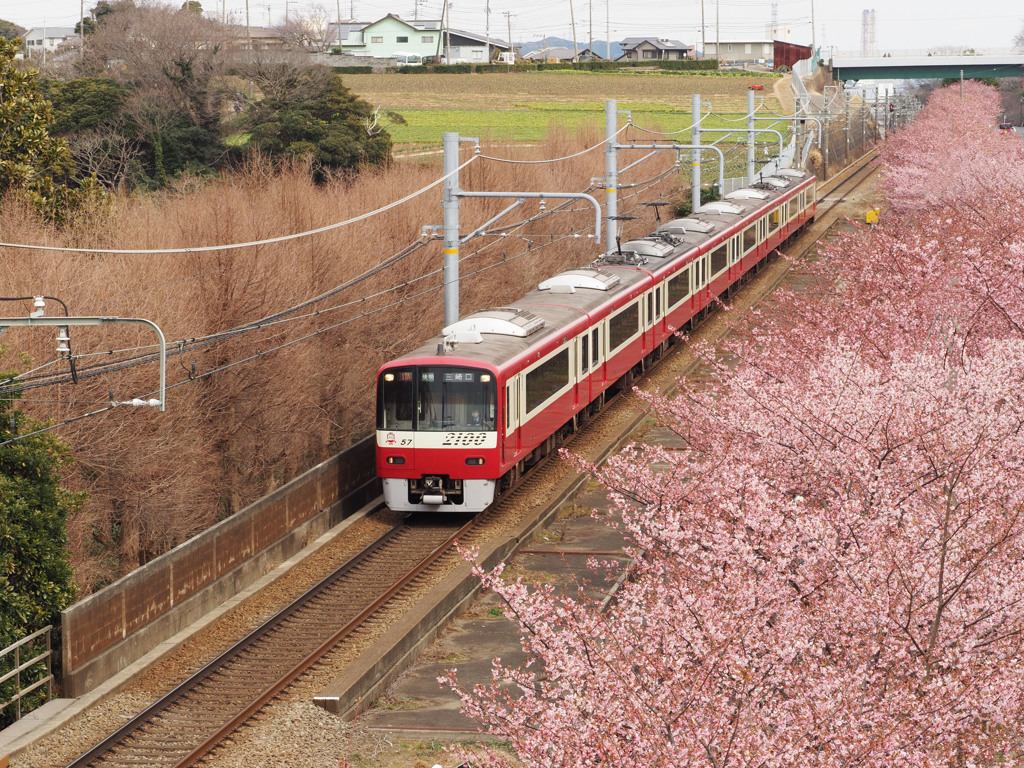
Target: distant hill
{"type": "Point", "coordinates": [561, 42]}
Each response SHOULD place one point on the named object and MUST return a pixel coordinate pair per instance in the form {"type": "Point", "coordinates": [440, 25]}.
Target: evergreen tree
{"type": "Point", "coordinates": [31, 161]}
{"type": "Point", "coordinates": [332, 128]}
{"type": "Point", "coordinates": [36, 578]}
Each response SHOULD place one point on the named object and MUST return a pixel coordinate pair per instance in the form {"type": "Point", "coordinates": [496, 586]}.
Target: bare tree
{"type": "Point", "coordinates": [110, 153]}
{"type": "Point", "coordinates": [172, 58]}
{"type": "Point", "coordinates": [297, 32]}
{"type": "Point", "coordinates": [286, 75]}
{"type": "Point", "coordinates": [318, 21]}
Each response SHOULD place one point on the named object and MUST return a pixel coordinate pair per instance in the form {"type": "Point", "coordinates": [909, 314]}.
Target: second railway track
{"type": "Point", "coordinates": [190, 721]}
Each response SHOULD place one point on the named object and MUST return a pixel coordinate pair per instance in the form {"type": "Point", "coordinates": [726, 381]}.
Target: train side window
{"type": "Point", "coordinates": [719, 258]}
{"type": "Point", "coordinates": [596, 347]}
{"type": "Point", "coordinates": [773, 218]}
{"type": "Point", "coordinates": [749, 239]}
{"type": "Point", "coordinates": [679, 287]}
{"type": "Point", "coordinates": [657, 303]}
{"type": "Point", "coordinates": [623, 326]}
{"type": "Point", "coordinates": [650, 309]}
{"type": "Point", "coordinates": [547, 379]}
{"type": "Point", "coordinates": [584, 352]}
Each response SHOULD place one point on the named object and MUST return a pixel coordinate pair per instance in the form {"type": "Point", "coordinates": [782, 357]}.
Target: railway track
{"type": "Point", "coordinates": [190, 721]}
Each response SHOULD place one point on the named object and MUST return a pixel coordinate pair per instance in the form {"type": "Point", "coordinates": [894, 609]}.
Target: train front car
{"type": "Point", "coordinates": [437, 439]}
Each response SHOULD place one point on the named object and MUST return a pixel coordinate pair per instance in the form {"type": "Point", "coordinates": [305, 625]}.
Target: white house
{"type": "Point", "coordinates": [48, 39]}
{"type": "Point", "coordinates": [741, 51]}
{"type": "Point", "coordinates": [391, 35]}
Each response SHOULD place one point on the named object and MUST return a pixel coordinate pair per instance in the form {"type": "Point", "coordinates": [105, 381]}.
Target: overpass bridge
{"type": "Point", "coordinates": [926, 67]}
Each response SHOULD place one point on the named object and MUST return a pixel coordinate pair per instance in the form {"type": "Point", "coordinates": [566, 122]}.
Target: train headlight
{"type": "Point", "coordinates": [474, 461]}
{"type": "Point", "coordinates": [485, 377]}
{"type": "Point", "coordinates": [389, 377]}
{"type": "Point", "coordinates": [395, 460]}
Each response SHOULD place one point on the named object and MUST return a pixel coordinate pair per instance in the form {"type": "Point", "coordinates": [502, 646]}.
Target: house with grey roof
{"type": "Point", "coordinates": [654, 49]}
{"type": "Point", "coordinates": [47, 39]}
{"type": "Point", "coordinates": [557, 53]}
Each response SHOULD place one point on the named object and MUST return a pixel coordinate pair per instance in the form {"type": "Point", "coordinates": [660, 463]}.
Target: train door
{"type": "Point", "coordinates": [700, 280]}
{"type": "Point", "coordinates": [596, 355]}
{"type": "Point", "coordinates": [583, 359]}
{"type": "Point", "coordinates": [510, 445]}
{"type": "Point", "coordinates": [648, 324]}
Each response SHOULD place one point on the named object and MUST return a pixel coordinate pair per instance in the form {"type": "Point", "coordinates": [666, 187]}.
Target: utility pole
{"type": "Point", "coordinates": [575, 48]}
{"type": "Point", "coordinates": [446, 24]}
{"type": "Point", "coordinates": [703, 42]}
{"type": "Point", "coordinates": [607, 30]}
{"type": "Point", "coordinates": [814, 46]}
{"type": "Point", "coordinates": [248, 44]}
{"type": "Point", "coordinates": [511, 47]}
{"type": "Point", "coordinates": [339, 26]}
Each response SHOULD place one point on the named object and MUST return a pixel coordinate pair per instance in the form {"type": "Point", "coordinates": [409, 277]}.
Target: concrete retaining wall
{"type": "Point", "coordinates": [114, 627]}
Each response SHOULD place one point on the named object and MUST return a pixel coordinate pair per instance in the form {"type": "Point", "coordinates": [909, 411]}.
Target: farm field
{"type": "Point", "coordinates": [527, 106]}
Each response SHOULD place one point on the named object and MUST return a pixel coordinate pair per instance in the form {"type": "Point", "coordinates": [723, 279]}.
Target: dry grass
{"type": "Point", "coordinates": [242, 418]}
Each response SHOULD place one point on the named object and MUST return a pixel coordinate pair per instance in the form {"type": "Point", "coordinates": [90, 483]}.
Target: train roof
{"type": "Point", "coordinates": [498, 335]}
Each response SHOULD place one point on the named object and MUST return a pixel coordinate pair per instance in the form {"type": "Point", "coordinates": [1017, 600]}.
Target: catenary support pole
{"type": "Point", "coordinates": [611, 123]}
{"type": "Point", "coordinates": [450, 204]}
{"type": "Point", "coordinates": [750, 136]}
{"type": "Point", "coordinates": [695, 140]}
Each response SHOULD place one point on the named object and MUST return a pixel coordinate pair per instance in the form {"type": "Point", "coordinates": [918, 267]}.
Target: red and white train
{"type": "Point", "coordinates": [460, 418]}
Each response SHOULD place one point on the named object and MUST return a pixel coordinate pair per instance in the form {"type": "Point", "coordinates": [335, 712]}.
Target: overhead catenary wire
{"type": "Point", "coordinates": [254, 243]}
{"type": "Point", "coordinates": [554, 159]}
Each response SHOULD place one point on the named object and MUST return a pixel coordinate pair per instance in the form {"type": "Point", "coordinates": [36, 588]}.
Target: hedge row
{"type": "Point", "coordinates": [687, 65]}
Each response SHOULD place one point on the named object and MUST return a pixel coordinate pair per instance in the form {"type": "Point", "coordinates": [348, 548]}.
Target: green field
{"type": "Point", "coordinates": [524, 107]}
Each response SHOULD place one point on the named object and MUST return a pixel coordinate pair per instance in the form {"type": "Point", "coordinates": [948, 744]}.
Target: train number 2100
{"type": "Point", "coordinates": [463, 439]}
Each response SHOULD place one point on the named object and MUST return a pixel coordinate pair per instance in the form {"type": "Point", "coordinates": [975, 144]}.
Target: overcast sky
{"type": "Point", "coordinates": [986, 25]}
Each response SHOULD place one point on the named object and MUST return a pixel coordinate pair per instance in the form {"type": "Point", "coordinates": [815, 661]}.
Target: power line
{"type": "Point", "coordinates": [254, 243]}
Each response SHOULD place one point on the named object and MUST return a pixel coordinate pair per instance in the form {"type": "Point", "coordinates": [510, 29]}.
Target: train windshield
{"type": "Point", "coordinates": [436, 398]}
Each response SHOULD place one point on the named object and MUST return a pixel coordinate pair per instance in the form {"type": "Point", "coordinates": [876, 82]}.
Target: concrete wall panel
{"type": "Point", "coordinates": [146, 596]}
{"type": "Point", "coordinates": [92, 626]}
{"type": "Point", "coordinates": [234, 543]}
{"type": "Point", "coordinates": [194, 568]}
{"type": "Point", "coordinates": [269, 523]}
{"type": "Point", "coordinates": [304, 502]}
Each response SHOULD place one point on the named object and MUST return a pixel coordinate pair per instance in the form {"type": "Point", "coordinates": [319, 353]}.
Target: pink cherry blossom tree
{"type": "Point", "coordinates": [830, 571]}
